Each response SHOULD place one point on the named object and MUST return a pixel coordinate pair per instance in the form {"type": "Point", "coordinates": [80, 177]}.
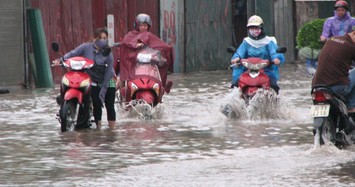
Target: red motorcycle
{"type": "Point", "coordinates": [146, 86]}
{"type": "Point", "coordinates": [252, 82]}
{"type": "Point", "coordinates": [74, 99]}
{"type": "Point", "coordinates": [255, 78]}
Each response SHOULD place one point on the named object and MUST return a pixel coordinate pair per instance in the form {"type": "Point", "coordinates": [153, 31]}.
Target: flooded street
{"type": "Point", "coordinates": [189, 142]}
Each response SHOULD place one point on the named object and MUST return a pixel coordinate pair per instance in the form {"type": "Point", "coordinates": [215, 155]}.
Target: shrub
{"type": "Point", "coordinates": [309, 34]}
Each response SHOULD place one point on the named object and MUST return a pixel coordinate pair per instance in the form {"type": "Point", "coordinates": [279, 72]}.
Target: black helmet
{"type": "Point", "coordinates": [142, 18]}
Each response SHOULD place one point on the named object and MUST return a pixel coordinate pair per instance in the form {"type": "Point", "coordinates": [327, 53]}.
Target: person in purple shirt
{"type": "Point", "coordinates": [340, 24]}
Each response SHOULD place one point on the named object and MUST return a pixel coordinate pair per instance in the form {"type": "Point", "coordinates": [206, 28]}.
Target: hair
{"type": "Point", "coordinates": [99, 31]}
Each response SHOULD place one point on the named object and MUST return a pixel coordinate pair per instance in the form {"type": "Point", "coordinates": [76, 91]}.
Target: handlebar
{"type": "Point", "coordinates": [238, 63]}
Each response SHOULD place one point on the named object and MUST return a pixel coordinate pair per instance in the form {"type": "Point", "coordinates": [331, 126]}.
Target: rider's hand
{"type": "Point", "coordinates": [56, 62]}
{"type": "Point", "coordinates": [276, 61]}
{"type": "Point", "coordinates": [234, 60]}
{"type": "Point", "coordinates": [322, 38]}
{"type": "Point", "coordinates": [140, 45]}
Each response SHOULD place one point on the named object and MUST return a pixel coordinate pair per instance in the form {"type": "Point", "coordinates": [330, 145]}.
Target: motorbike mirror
{"type": "Point", "coordinates": [55, 47]}
{"type": "Point", "coordinates": [281, 50]}
{"type": "Point", "coordinates": [106, 51]}
{"type": "Point", "coordinates": [231, 49]}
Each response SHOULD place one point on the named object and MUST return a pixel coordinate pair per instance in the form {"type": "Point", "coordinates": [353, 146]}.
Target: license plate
{"type": "Point", "coordinates": [320, 110]}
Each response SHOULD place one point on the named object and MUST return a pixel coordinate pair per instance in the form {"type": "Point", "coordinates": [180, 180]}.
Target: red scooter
{"type": "Point", "coordinates": [254, 78]}
{"type": "Point", "coordinates": [146, 86]}
{"type": "Point", "coordinates": [252, 82]}
{"type": "Point", "coordinates": [74, 98]}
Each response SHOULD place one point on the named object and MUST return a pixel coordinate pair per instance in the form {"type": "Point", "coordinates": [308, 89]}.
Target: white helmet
{"type": "Point", "coordinates": [255, 21]}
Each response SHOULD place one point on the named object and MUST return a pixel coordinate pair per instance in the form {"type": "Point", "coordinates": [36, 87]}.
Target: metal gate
{"type": "Point", "coordinates": [278, 21]}
{"type": "Point", "coordinates": [71, 22]}
{"type": "Point", "coordinates": [11, 42]}
{"type": "Point", "coordinates": [208, 34]}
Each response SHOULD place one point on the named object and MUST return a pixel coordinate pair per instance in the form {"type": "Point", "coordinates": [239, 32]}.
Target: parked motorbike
{"type": "Point", "coordinates": [252, 82]}
{"type": "Point", "coordinates": [74, 98]}
{"type": "Point", "coordinates": [146, 86]}
{"type": "Point", "coordinates": [331, 120]}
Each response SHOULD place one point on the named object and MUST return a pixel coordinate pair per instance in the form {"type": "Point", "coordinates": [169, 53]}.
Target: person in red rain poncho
{"type": "Point", "coordinates": [135, 40]}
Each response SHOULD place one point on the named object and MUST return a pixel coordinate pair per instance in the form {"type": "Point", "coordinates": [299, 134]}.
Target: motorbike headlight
{"type": "Point", "coordinates": [245, 63]}
{"type": "Point", "coordinates": [144, 58]}
{"type": "Point", "coordinates": [77, 64]}
{"type": "Point", "coordinates": [85, 83]}
{"type": "Point", "coordinates": [156, 88]}
{"type": "Point", "coordinates": [65, 81]}
{"type": "Point", "coordinates": [134, 88]}
{"type": "Point", "coordinates": [262, 65]}
{"type": "Point", "coordinates": [252, 66]}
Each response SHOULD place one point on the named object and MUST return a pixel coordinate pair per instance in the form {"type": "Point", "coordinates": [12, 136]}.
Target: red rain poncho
{"type": "Point", "coordinates": [128, 53]}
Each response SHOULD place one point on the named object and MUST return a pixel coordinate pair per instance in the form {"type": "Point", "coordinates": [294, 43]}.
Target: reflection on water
{"type": "Point", "coordinates": [188, 139]}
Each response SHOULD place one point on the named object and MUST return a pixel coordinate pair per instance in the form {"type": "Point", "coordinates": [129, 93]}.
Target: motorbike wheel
{"type": "Point", "coordinates": [84, 115]}
{"type": "Point", "coordinates": [68, 115]}
{"type": "Point", "coordinates": [325, 133]}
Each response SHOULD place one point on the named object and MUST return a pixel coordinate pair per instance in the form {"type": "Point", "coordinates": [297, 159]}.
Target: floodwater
{"type": "Point", "coordinates": [188, 142]}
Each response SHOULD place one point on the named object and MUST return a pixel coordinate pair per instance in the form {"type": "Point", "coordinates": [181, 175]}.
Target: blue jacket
{"type": "Point", "coordinates": [258, 48]}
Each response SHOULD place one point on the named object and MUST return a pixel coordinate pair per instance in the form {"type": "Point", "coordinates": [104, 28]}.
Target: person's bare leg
{"type": "Point", "coordinates": [111, 124]}
{"type": "Point", "coordinates": [118, 83]}
{"type": "Point", "coordinates": [98, 124]}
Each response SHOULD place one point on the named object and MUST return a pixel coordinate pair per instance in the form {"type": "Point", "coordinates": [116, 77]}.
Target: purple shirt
{"type": "Point", "coordinates": [338, 26]}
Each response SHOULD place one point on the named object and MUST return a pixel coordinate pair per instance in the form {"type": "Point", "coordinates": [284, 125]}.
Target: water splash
{"type": "Point", "coordinates": [265, 104]}
{"type": "Point", "coordinates": [141, 110]}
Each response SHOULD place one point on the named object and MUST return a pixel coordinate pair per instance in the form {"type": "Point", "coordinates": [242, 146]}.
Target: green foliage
{"type": "Point", "coordinates": [309, 34]}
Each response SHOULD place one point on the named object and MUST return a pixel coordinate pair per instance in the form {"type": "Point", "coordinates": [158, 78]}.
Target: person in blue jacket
{"type": "Point", "coordinates": [257, 44]}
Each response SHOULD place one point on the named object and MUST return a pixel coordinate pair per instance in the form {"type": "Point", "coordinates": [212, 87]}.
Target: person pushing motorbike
{"type": "Point", "coordinates": [258, 44]}
{"type": "Point", "coordinates": [103, 86]}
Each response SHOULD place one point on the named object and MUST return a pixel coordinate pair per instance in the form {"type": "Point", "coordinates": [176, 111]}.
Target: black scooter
{"type": "Point", "coordinates": [331, 120]}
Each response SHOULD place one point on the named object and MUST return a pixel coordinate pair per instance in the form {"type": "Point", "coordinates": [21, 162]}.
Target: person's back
{"type": "Point", "coordinates": [334, 64]}
{"type": "Point", "coordinates": [335, 61]}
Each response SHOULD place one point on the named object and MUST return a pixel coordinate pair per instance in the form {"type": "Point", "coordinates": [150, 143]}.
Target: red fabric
{"type": "Point", "coordinates": [116, 64]}
{"type": "Point", "coordinates": [129, 51]}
